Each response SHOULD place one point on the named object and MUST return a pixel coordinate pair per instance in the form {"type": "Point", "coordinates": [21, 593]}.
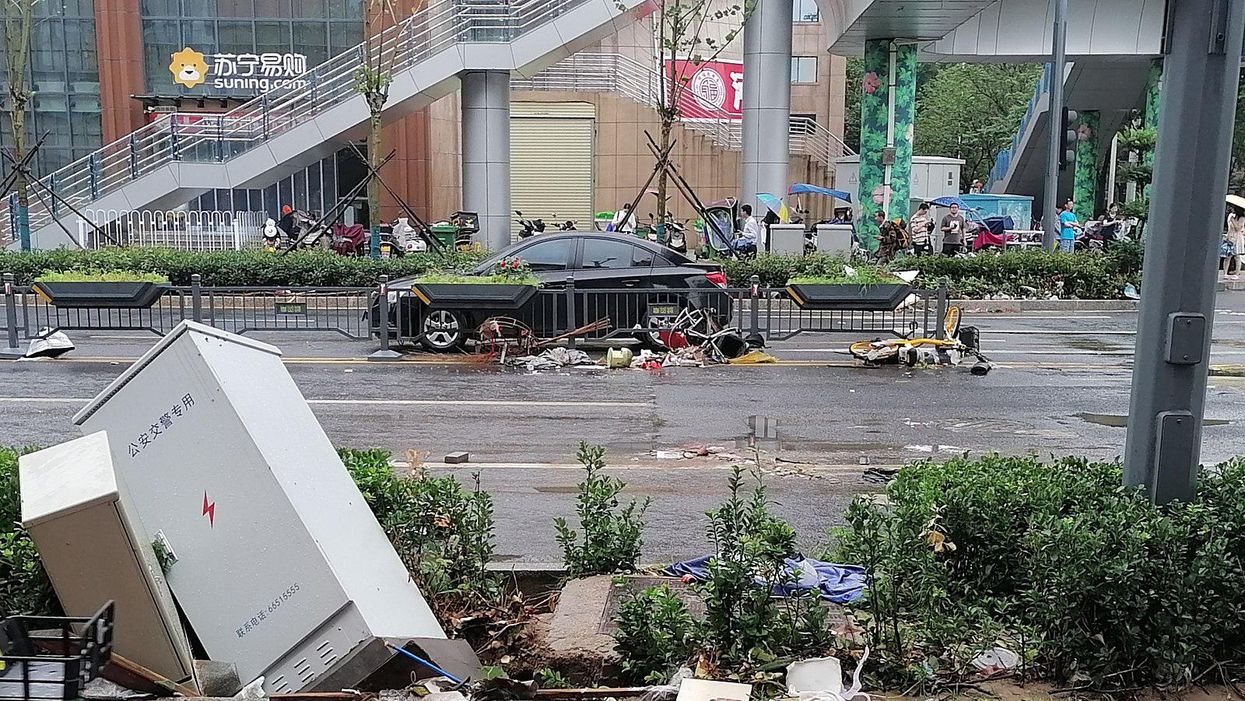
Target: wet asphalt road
{"type": "Point", "coordinates": [1061, 386]}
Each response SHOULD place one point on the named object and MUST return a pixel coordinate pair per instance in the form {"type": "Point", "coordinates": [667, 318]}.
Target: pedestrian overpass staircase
{"type": "Point", "coordinates": [181, 156]}
{"type": "Point", "coordinates": [590, 71]}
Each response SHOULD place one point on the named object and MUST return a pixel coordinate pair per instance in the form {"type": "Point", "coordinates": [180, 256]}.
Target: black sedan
{"type": "Point", "coordinates": [630, 281]}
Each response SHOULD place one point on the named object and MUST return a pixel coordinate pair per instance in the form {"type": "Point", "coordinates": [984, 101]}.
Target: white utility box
{"type": "Point", "coordinates": [94, 550]}
{"type": "Point", "coordinates": [786, 239]}
{"type": "Point", "coordinates": [278, 563]}
{"type": "Point", "coordinates": [835, 239]}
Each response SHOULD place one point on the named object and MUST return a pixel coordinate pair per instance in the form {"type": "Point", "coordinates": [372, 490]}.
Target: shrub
{"type": "Point", "coordinates": [95, 275]}
{"type": "Point", "coordinates": [612, 533]}
{"type": "Point", "coordinates": [232, 268]}
{"type": "Point", "coordinates": [1084, 578]}
{"type": "Point", "coordinates": [442, 532]}
{"type": "Point", "coordinates": [746, 630]}
{"type": "Point", "coordinates": [1016, 273]}
{"type": "Point", "coordinates": [656, 634]}
{"type": "Point", "coordinates": [24, 585]}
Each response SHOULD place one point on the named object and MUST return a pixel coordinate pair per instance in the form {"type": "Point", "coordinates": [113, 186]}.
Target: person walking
{"type": "Point", "coordinates": [922, 228]}
{"type": "Point", "coordinates": [953, 231]}
{"type": "Point", "coordinates": [1068, 226]}
{"type": "Point", "coordinates": [1236, 237]}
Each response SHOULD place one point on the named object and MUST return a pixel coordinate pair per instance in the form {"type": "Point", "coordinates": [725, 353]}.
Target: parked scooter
{"type": "Point", "coordinates": [529, 227]}
{"type": "Point", "coordinates": [1099, 235]}
{"type": "Point", "coordinates": [567, 225]}
{"type": "Point", "coordinates": [272, 236]}
{"type": "Point", "coordinates": [676, 237]}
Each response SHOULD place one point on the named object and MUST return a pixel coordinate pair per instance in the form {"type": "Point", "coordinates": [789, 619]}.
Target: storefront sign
{"type": "Point", "coordinates": [715, 88]}
{"type": "Point", "coordinates": [254, 72]}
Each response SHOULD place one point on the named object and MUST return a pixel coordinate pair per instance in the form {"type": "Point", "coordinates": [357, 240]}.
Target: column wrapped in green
{"type": "Point", "coordinates": [1150, 119]}
{"type": "Point", "coordinates": [1085, 175]}
{"type": "Point", "coordinates": [874, 120]}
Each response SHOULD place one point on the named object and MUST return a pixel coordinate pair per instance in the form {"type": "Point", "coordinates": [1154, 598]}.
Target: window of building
{"type": "Point", "coordinates": [805, 11]}
{"type": "Point", "coordinates": [803, 69]}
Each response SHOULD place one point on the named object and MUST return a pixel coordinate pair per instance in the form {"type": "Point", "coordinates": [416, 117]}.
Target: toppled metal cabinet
{"type": "Point", "coordinates": [95, 551]}
{"type": "Point", "coordinates": [277, 561]}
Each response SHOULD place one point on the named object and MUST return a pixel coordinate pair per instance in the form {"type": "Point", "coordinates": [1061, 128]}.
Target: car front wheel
{"type": "Point", "coordinates": [442, 330]}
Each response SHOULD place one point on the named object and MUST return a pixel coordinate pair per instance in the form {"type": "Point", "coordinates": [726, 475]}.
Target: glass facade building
{"type": "Point", "coordinates": [64, 75]}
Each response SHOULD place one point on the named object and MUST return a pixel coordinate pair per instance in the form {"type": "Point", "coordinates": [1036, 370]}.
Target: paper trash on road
{"type": "Point", "coordinates": [705, 690]}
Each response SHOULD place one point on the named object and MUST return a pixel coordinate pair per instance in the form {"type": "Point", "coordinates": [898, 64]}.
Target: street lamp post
{"type": "Point", "coordinates": [1054, 151]}
{"type": "Point", "coordinates": [1203, 61]}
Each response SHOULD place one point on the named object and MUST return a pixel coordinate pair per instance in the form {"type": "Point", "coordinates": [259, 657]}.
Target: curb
{"type": "Point", "coordinates": [1003, 306]}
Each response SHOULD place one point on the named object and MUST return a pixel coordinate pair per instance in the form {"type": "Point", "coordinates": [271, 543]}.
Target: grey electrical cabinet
{"type": "Point", "coordinates": [277, 562]}
{"type": "Point", "coordinates": [94, 551]}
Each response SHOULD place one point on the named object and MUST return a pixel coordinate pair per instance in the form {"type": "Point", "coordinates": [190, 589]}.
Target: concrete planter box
{"type": "Point", "coordinates": [849, 297]}
{"type": "Point", "coordinates": [475, 296]}
{"type": "Point", "coordinates": [109, 295]}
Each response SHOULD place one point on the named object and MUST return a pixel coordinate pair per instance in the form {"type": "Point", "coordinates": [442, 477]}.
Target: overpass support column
{"type": "Point", "coordinates": [486, 153]}
{"type": "Point", "coordinates": [1085, 175]}
{"type": "Point", "coordinates": [767, 100]}
{"type": "Point", "coordinates": [887, 114]}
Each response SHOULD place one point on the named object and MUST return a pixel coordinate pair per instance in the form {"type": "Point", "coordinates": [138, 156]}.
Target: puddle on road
{"type": "Point", "coordinates": [1093, 344]}
{"type": "Point", "coordinates": [1121, 420]}
{"type": "Point", "coordinates": [762, 433]}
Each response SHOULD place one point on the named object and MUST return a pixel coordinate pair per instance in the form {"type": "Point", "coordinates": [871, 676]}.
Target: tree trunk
{"type": "Point", "coordinates": [374, 158]}
{"type": "Point", "coordinates": [17, 31]}
{"type": "Point", "coordinates": [667, 125]}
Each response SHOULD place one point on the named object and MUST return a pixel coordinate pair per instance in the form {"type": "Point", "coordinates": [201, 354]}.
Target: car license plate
{"type": "Point", "coordinates": [663, 310]}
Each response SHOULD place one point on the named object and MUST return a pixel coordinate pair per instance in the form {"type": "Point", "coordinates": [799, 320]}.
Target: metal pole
{"type": "Point", "coordinates": [570, 308]}
{"type": "Point", "coordinates": [382, 323]}
{"type": "Point", "coordinates": [940, 324]}
{"type": "Point", "coordinates": [1186, 218]}
{"type": "Point", "coordinates": [10, 319]}
{"type": "Point", "coordinates": [1051, 207]}
{"type": "Point", "coordinates": [196, 298]}
{"type": "Point", "coordinates": [755, 319]}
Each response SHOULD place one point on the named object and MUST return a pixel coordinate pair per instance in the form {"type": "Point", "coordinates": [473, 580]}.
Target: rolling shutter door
{"type": "Point", "coordinates": [551, 149]}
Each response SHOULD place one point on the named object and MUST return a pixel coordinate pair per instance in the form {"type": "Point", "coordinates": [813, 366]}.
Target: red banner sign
{"type": "Point", "coordinates": [711, 90]}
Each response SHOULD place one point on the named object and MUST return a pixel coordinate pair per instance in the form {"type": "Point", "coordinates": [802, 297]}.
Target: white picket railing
{"type": "Point", "coordinates": [183, 230]}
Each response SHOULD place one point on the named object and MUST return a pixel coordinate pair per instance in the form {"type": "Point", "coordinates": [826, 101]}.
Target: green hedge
{"type": "Point", "coordinates": [24, 586]}
{"type": "Point", "coordinates": [1017, 274]}
{"type": "Point", "coordinates": [1083, 578]}
{"type": "Point", "coordinates": [1028, 274]}
{"type": "Point", "coordinates": [231, 268]}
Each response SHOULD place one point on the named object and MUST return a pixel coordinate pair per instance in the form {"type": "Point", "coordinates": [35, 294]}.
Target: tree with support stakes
{"type": "Point", "coordinates": [683, 28]}
{"type": "Point", "coordinates": [372, 81]}
{"type": "Point", "coordinates": [19, 20]}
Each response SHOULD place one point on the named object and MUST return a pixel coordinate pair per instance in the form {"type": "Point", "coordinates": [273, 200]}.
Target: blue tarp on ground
{"type": "Point", "coordinates": [840, 584]}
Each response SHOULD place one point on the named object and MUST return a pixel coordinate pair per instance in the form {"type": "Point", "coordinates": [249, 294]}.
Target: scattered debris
{"type": "Point", "coordinates": [49, 343]}
{"type": "Point", "coordinates": [840, 584]}
{"type": "Point", "coordinates": [995, 660]}
{"type": "Point", "coordinates": [816, 678]}
{"type": "Point", "coordinates": [551, 359]}
{"type": "Point", "coordinates": [705, 690]}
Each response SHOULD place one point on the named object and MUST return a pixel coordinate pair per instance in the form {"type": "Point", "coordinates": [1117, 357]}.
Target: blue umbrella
{"type": "Point", "coordinates": [772, 201]}
{"type": "Point", "coordinates": [948, 201]}
{"type": "Point", "coordinates": [805, 188]}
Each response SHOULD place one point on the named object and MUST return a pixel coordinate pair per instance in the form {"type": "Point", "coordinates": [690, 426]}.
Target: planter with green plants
{"type": "Point", "coordinates": [509, 285]}
{"type": "Point", "coordinates": [75, 289]}
{"type": "Point", "coordinates": [863, 288]}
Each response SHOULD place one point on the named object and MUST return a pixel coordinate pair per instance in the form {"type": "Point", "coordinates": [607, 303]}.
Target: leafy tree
{"type": "Point", "coordinates": [970, 111]}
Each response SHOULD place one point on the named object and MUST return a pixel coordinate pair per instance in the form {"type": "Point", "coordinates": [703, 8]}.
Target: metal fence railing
{"type": "Point", "coordinates": [183, 230]}
{"type": "Point", "coordinates": [341, 310]}
{"type": "Point", "coordinates": [352, 312]}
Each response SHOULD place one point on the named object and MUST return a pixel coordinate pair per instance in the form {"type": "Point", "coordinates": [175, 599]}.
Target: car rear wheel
{"type": "Point", "coordinates": [442, 330]}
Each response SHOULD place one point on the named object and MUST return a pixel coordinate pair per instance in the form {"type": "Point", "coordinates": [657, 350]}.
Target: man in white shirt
{"type": "Point", "coordinates": [751, 233]}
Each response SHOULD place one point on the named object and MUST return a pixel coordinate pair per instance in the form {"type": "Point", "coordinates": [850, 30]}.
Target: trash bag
{"type": "Point", "coordinates": [49, 343]}
{"type": "Point", "coordinates": [730, 345]}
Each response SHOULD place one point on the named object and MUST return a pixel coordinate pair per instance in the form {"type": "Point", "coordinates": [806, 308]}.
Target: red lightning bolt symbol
{"type": "Point", "coordinates": [209, 510]}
